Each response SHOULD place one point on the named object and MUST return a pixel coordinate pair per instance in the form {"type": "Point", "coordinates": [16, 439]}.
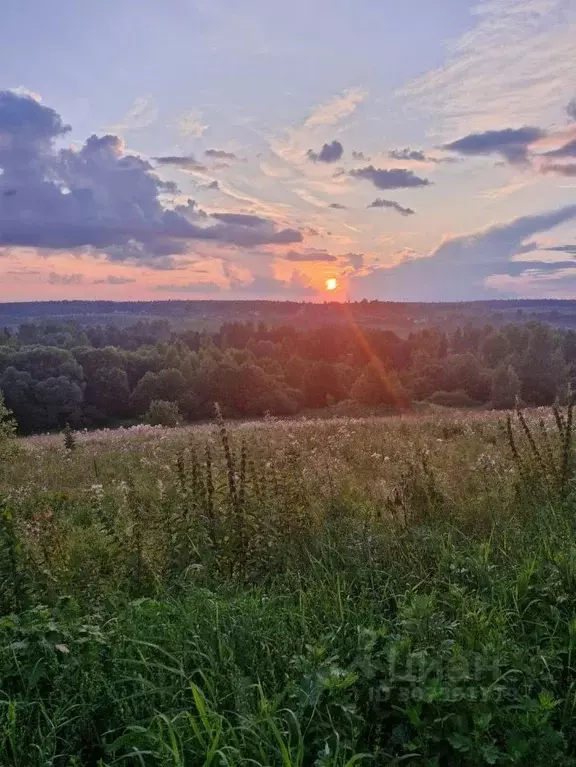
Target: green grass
{"type": "Point", "coordinates": [370, 591]}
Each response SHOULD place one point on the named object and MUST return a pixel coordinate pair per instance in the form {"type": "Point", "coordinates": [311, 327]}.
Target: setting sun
{"type": "Point", "coordinates": [331, 283]}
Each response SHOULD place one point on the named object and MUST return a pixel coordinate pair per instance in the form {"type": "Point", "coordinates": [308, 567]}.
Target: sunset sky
{"type": "Point", "coordinates": [249, 149]}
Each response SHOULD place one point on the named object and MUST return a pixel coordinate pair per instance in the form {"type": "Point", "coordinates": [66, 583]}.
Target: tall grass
{"type": "Point", "coordinates": [337, 593]}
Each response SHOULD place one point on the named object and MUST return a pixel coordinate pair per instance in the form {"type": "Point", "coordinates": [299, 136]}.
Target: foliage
{"type": "Point", "coordinates": [162, 413]}
{"type": "Point", "coordinates": [69, 438]}
{"type": "Point", "coordinates": [55, 373]}
{"type": "Point", "coordinates": [335, 593]}
{"type": "Point", "coordinates": [7, 430]}
{"type": "Point", "coordinates": [506, 388]}
{"type": "Point", "coordinates": [456, 398]}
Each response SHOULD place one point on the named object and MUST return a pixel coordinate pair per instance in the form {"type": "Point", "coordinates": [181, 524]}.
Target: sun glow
{"type": "Point", "coordinates": [331, 283]}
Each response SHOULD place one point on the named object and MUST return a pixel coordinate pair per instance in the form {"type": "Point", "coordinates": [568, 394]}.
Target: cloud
{"type": "Point", "coordinates": [112, 279]}
{"type": "Point", "coordinates": [183, 162]}
{"type": "Point", "coordinates": [268, 286]}
{"type": "Point", "coordinates": [212, 185]}
{"type": "Point", "coordinates": [243, 219]}
{"type": "Point", "coordinates": [355, 260]}
{"type": "Point", "coordinates": [190, 124]}
{"type": "Point", "coordinates": [395, 178]}
{"type": "Point", "coordinates": [221, 154]}
{"type": "Point", "coordinates": [98, 198]}
{"type": "Point", "coordinates": [338, 206]}
{"type": "Point", "coordinates": [339, 107]}
{"type": "Point", "coordinates": [509, 66]}
{"type": "Point", "coordinates": [571, 249]}
{"type": "Point", "coordinates": [190, 287]}
{"type": "Point", "coordinates": [458, 269]}
{"type": "Point", "coordinates": [65, 279]}
{"type": "Point", "coordinates": [510, 143]}
{"type": "Point", "coordinates": [571, 109]}
{"type": "Point", "coordinates": [360, 156]}
{"type": "Point", "coordinates": [568, 150]}
{"type": "Point", "coordinates": [379, 202]}
{"type": "Point", "coordinates": [310, 255]}
{"type": "Point", "coordinates": [141, 114]}
{"type": "Point", "coordinates": [329, 153]}
{"type": "Point", "coordinates": [416, 155]}
{"type": "Point", "coordinates": [561, 170]}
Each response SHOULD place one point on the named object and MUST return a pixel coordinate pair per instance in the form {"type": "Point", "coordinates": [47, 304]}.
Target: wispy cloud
{"type": "Point", "coordinates": [336, 109]}
{"type": "Point", "coordinates": [510, 68]}
{"type": "Point", "coordinates": [310, 255]}
{"type": "Point", "coordinates": [191, 124]}
{"type": "Point", "coordinates": [113, 279]}
{"type": "Point", "coordinates": [141, 114]}
{"type": "Point", "coordinates": [54, 278]}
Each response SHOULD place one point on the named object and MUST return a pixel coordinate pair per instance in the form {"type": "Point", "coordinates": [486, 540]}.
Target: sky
{"type": "Point", "coordinates": [256, 149]}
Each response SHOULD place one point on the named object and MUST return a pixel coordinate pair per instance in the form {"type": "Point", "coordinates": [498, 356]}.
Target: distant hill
{"type": "Point", "coordinates": [400, 317]}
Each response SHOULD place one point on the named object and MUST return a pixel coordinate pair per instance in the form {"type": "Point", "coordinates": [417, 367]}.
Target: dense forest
{"type": "Point", "coordinates": [56, 373]}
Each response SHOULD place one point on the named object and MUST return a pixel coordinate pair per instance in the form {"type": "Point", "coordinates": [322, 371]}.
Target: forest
{"type": "Point", "coordinates": [54, 373]}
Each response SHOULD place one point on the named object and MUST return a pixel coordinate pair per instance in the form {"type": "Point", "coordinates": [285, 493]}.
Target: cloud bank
{"type": "Point", "coordinates": [460, 266]}
{"type": "Point", "coordinates": [100, 199]}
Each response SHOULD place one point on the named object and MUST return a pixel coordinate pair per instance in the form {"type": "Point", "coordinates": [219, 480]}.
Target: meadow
{"type": "Point", "coordinates": [339, 592]}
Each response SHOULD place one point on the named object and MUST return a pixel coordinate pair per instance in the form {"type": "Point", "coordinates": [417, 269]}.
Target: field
{"type": "Point", "coordinates": [351, 591]}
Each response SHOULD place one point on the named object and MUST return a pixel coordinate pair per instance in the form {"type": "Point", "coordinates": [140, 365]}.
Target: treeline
{"type": "Point", "coordinates": [53, 374]}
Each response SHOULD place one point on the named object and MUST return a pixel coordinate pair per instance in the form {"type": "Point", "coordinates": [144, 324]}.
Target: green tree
{"type": "Point", "coordinates": [320, 381]}
{"type": "Point", "coordinates": [7, 430]}
{"type": "Point", "coordinates": [162, 413]}
{"type": "Point", "coordinates": [378, 387]}
{"type": "Point", "coordinates": [505, 387]}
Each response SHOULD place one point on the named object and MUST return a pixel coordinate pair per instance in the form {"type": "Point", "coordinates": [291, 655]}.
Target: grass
{"type": "Point", "coordinates": [354, 591]}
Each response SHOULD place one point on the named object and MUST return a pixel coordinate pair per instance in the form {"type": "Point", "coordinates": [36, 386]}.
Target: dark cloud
{"type": "Point", "coordinates": [99, 199]}
{"type": "Point", "coordinates": [338, 206]}
{"type": "Point", "coordinates": [212, 185]}
{"type": "Point", "coordinates": [568, 150]}
{"type": "Point", "coordinates": [183, 162]}
{"type": "Point", "coordinates": [65, 279]}
{"type": "Point", "coordinates": [379, 202]}
{"type": "Point", "coordinates": [459, 267]}
{"type": "Point", "coordinates": [407, 154]}
{"type": "Point", "coordinates": [571, 109]}
{"type": "Point", "coordinates": [571, 249]}
{"type": "Point", "coordinates": [510, 143]}
{"type": "Point", "coordinates": [561, 170]}
{"type": "Point", "coordinates": [190, 287]}
{"type": "Point", "coordinates": [329, 153]}
{"type": "Point", "coordinates": [395, 178]}
{"type": "Point", "coordinates": [417, 155]}
{"type": "Point", "coordinates": [221, 154]}
{"type": "Point", "coordinates": [360, 156]}
{"type": "Point", "coordinates": [112, 279]}
{"type": "Point", "coordinates": [268, 286]}
{"type": "Point", "coordinates": [311, 255]}
{"type": "Point", "coordinates": [243, 219]}
{"type": "Point", "coordinates": [356, 260]}
{"type": "Point", "coordinates": [311, 232]}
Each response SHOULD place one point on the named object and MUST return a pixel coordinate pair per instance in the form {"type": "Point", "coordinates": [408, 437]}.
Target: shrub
{"type": "Point", "coordinates": [505, 388]}
{"type": "Point", "coordinates": [456, 398]}
{"type": "Point", "coordinates": [162, 413]}
{"type": "Point", "coordinates": [7, 430]}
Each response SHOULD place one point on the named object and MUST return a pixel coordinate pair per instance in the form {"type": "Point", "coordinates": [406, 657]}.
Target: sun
{"type": "Point", "coordinates": [331, 283]}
